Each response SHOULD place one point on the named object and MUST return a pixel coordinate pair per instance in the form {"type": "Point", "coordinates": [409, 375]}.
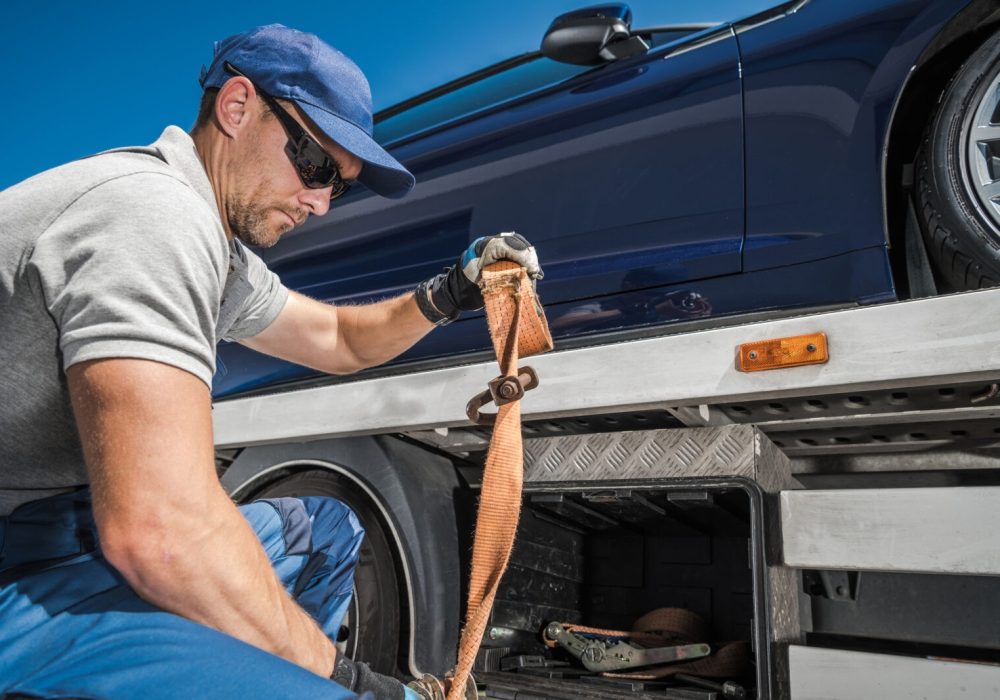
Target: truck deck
{"type": "Point", "coordinates": [890, 447]}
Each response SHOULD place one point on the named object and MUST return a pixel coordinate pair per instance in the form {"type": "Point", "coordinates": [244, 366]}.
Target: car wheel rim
{"type": "Point", "coordinates": [983, 152]}
{"type": "Point", "coordinates": [349, 646]}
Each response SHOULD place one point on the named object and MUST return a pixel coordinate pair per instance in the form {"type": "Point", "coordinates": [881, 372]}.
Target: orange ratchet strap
{"type": "Point", "coordinates": [518, 328]}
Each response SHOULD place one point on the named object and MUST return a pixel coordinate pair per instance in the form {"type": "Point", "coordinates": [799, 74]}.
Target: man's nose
{"type": "Point", "coordinates": [316, 201]}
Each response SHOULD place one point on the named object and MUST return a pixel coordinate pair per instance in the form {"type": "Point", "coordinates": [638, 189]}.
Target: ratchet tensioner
{"type": "Point", "coordinates": [602, 653]}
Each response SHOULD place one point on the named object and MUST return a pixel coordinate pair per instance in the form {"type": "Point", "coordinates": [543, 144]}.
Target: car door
{"type": "Point", "coordinates": [628, 178]}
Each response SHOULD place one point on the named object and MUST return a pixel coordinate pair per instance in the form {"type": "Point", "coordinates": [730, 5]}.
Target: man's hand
{"type": "Point", "coordinates": [441, 299]}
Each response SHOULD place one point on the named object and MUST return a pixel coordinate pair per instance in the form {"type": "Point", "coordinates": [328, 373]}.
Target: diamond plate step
{"type": "Point", "coordinates": [690, 453]}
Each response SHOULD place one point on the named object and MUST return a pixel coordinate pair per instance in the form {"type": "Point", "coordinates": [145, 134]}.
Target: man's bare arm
{"type": "Point", "coordinates": [163, 518]}
{"type": "Point", "coordinates": [342, 339]}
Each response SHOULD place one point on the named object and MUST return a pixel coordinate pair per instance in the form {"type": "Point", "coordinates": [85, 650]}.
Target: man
{"type": "Point", "coordinates": [118, 275]}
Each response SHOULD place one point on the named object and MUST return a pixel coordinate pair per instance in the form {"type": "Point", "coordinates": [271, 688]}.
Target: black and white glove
{"type": "Point", "coordinates": [444, 297]}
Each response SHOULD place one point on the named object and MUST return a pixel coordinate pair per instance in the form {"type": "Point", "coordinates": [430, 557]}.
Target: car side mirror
{"type": "Point", "coordinates": [592, 36]}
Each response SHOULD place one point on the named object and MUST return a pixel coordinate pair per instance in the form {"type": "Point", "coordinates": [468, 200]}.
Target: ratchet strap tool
{"type": "Point", "coordinates": [661, 644]}
{"type": "Point", "coordinates": [600, 653]}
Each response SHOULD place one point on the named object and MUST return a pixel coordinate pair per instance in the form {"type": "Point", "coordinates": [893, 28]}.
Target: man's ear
{"type": "Point", "coordinates": [232, 104]}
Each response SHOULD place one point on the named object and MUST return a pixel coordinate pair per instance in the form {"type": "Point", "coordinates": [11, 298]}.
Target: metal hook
{"type": "Point", "coordinates": [502, 390]}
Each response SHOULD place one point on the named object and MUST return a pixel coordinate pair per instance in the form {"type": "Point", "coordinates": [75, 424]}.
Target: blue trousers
{"type": "Point", "coordinates": [71, 627]}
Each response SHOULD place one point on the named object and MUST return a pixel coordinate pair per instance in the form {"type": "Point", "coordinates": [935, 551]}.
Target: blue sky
{"type": "Point", "coordinates": [85, 76]}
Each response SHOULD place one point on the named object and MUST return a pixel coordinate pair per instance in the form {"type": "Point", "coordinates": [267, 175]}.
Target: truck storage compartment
{"type": "Point", "coordinates": [606, 556]}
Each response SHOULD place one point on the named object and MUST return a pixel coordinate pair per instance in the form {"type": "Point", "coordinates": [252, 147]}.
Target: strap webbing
{"type": "Point", "coordinates": [518, 328]}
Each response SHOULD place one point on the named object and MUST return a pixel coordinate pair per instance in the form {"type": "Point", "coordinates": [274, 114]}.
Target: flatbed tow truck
{"type": "Point", "coordinates": [842, 516]}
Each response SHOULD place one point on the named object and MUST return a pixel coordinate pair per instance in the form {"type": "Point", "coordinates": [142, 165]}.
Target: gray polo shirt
{"type": "Point", "coordinates": [119, 255]}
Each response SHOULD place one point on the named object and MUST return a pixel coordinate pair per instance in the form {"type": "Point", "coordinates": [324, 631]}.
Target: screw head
{"type": "Point", "coordinates": [810, 348]}
{"type": "Point", "coordinates": [752, 354]}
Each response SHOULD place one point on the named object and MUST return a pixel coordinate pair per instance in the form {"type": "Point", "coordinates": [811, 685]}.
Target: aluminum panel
{"type": "Point", "coordinates": [783, 608]}
{"type": "Point", "coordinates": [835, 674]}
{"type": "Point", "coordinates": [951, 530]}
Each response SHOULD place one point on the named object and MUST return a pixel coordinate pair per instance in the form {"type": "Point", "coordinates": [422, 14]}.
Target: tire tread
{"type": "Point", "coordinates": [961, 241]}
{"type": "Point", "coordinates": [956, 263]}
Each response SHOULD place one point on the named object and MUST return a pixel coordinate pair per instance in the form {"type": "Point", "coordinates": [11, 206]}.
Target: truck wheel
{"type": "Point", "coordinates": [958, 175]}
{"type": "Point", "coordinates": [371, 629]}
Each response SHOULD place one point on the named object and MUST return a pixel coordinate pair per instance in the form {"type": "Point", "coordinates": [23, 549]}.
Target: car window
{"type": "Point", "coordinates": [536, 74]}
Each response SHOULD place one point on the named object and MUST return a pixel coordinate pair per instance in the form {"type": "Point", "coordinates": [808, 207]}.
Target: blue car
{"type": "Point", "coordinates": [822, 153]}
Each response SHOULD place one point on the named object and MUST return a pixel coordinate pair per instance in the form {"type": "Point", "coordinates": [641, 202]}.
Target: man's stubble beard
{"type": "Point", "coordinates": [248, 221]}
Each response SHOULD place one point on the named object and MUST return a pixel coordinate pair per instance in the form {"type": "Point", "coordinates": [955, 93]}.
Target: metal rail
{"type": "Point", "coordinates": [907, 344]}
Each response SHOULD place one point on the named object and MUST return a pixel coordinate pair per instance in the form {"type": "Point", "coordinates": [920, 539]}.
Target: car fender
{"type": "Point", "coordinates": [819, 88]}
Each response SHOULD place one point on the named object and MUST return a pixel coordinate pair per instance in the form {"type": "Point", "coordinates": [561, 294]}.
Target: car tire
{"type": "Point", "coordinates": [958, 174]}
{"type": "Point", "coordinates": [371, 629]}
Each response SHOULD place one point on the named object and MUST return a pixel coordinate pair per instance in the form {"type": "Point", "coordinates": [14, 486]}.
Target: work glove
{"type": "Point", "coordinates": [358, 677]}
{"type": "Point", "coordinates": [444, 297]}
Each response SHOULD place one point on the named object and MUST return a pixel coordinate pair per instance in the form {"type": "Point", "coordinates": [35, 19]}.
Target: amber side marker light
{"type": "Point", "coordinates": [783, 352]}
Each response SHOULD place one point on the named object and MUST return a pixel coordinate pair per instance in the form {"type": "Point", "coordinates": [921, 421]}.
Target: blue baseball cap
{"type": "Point", "coordinates": [324, 83]}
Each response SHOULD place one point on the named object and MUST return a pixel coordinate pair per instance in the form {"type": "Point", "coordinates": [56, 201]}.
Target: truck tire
{"type": "Point", "coordinates": [371, 629]}
{"type": "Point", "coordinates": [958, 175]}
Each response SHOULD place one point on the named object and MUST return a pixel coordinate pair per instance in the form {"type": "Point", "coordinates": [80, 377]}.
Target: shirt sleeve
{"type": "Point", "coordinates": [264, 302]}
{"type": "Point", "coordinates": [134, 268]}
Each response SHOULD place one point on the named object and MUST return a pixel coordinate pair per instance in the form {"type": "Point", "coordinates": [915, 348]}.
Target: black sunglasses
{"type": "Point", "coordinates": [315, 167]}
